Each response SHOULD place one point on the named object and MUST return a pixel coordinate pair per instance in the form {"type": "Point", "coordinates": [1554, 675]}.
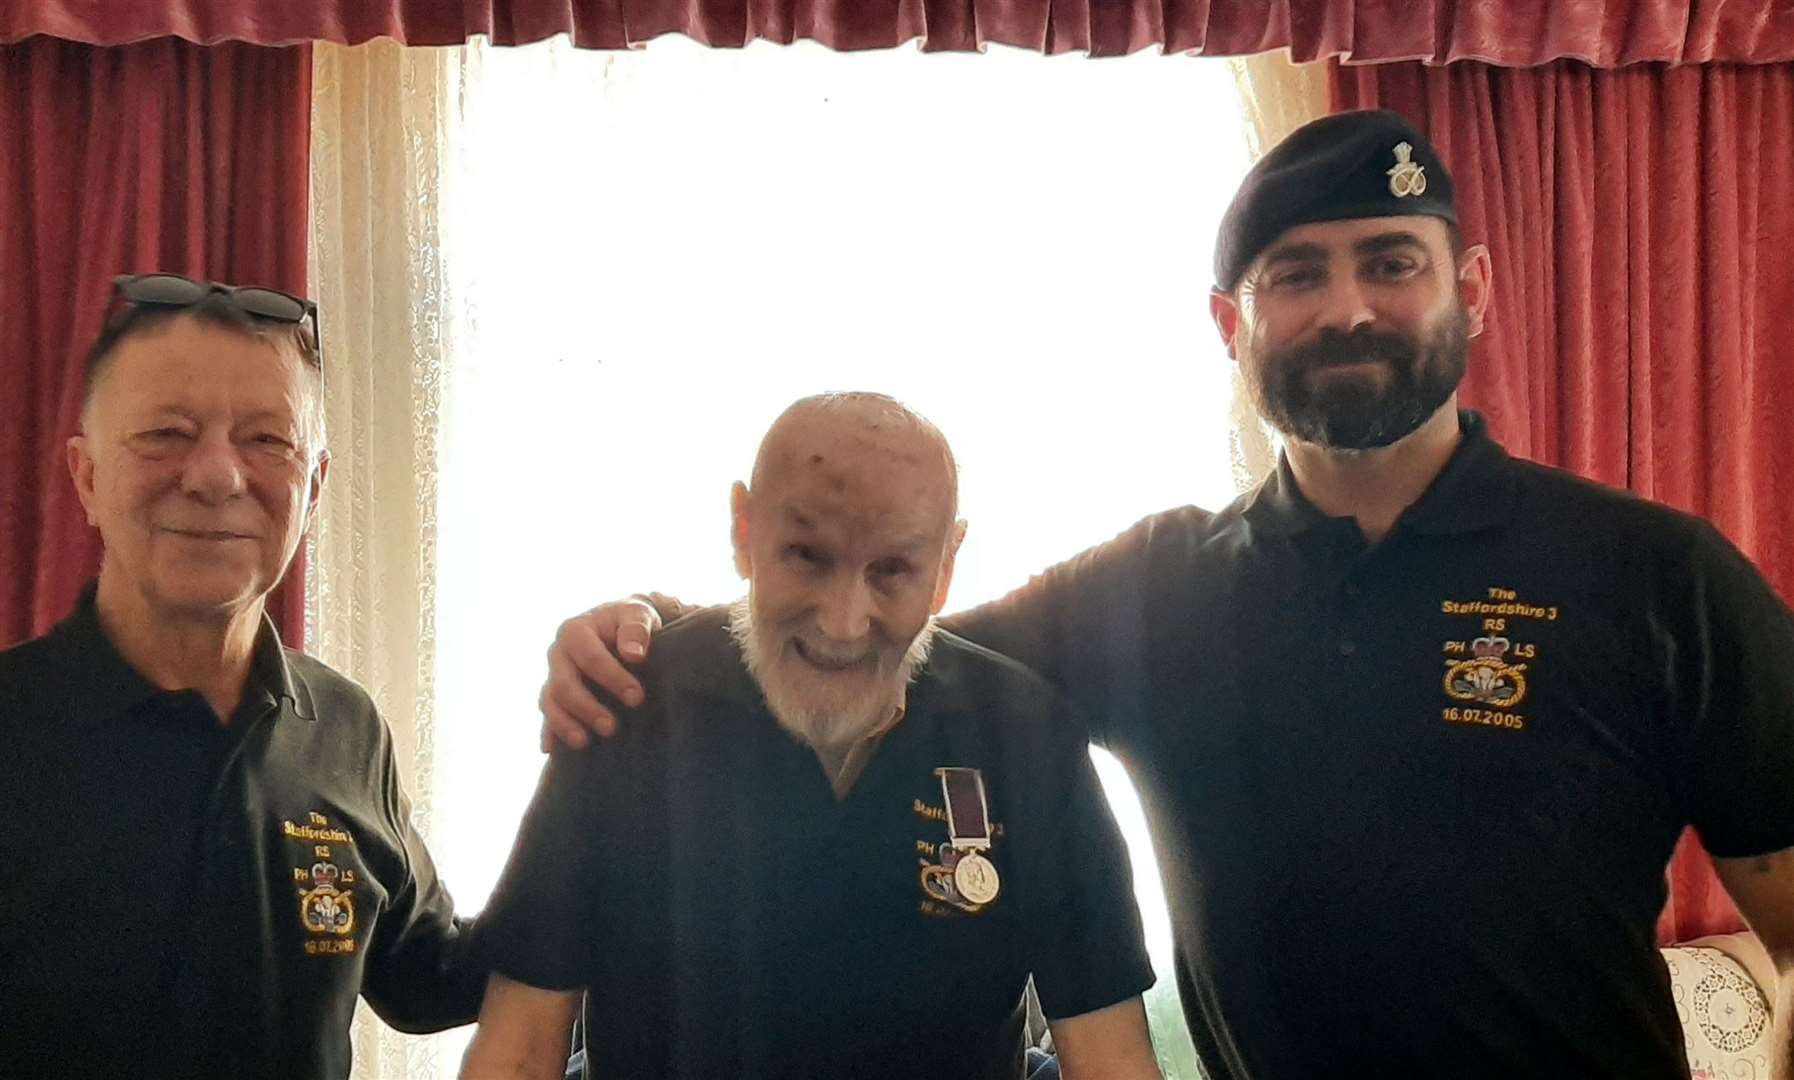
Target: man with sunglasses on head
{"type": "Point", "coordinates": [209, 855]}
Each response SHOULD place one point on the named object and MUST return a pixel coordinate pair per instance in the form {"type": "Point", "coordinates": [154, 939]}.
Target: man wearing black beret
{"type": "Point", "coordinates": [1416, 724]}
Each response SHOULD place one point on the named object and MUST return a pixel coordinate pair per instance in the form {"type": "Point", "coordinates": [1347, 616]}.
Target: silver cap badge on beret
{"type": "Point", "coordinates": [1405, 177]}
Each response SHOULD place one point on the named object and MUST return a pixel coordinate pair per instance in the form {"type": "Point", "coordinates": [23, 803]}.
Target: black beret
{"type": "Point", "coordinates": [1369, 163]}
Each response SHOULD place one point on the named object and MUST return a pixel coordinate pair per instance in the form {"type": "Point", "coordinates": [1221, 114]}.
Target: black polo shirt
{"type": "Point", "coordinates": [188, 899]}
{"type": "Point", "coordinates": [730, 918]}
{"type": "Point", "coordinates": [1413, 802]}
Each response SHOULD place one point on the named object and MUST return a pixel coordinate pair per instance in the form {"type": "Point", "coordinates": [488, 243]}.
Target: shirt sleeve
{"type": "Point", "coordinates": [422, 975]}
{"type": "Point", "coordinates": [1089, 947]}
{"type": "Point", "coordinates": [537, 927]}
{"type": "Point", "coordinates": [1734, 680]}
{"type": "Point", "coordinates": [1083, 625]}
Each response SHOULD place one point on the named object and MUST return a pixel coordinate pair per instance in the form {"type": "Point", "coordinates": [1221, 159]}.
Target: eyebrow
{"type": "Point", "coordinates": [1389, 241]}
{"type": "Point", "coordinates": [1370, 245]}
{"type": "Point", "coordinates": [1301, 252]}
{"type": "Point", "coordinates": [910, 544]}
{"type": "Point", "coordinates": [268, 414]}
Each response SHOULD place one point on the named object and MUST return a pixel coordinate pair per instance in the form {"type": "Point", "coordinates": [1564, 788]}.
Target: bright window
{"type": "Point", "coordinates": [663, 249]}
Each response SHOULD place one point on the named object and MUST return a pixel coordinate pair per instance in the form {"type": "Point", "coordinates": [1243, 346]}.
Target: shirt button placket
{"type": "Point", "coordinates": [1349, 593]}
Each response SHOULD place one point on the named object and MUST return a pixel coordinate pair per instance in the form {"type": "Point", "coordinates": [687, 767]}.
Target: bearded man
{"type": "Point", "coordinates": [1416, 725]}
{"type": "Point", "coordinates": [835, 842]}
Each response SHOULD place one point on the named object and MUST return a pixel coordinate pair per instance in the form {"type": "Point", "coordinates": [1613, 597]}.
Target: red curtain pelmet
{"type": "Point", "coordinates": [1641, 223]}
{"type": "Point", "coordinates": [161, 155]}
{"type": "Point", "coordinates": [1511, 32]}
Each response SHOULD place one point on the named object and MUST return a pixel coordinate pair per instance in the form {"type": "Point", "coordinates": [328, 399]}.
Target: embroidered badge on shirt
{"type": "Point", "coordinates": [1406, 177]}
{"type": "Point", "coordinates": [326, 891]}
{"type": "Point", "coordinates": [1486, 676]}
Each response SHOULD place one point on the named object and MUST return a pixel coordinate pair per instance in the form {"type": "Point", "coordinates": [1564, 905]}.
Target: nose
{"type": "Point", "coordinates": [1344, 306]}
{"type": "Point", "coordinates": [214, 471]}
{"type": "Point", "coordinates": [846, 611]}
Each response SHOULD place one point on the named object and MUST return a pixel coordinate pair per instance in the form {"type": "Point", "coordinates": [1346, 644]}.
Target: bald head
{"type": "Point", "coordinates": [856, 445]}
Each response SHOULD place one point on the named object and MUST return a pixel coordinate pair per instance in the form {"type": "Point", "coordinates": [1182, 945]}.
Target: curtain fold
{"type": "Point", "coordinates": [163, 155]}
{"type": "Point", "coordinates": [1518, 33]}
{"type": "Point", "coordinates": [380, 172]}
{"type": "Point", "coordinates": [1641, 310]}
{"type": "Point", "coordinates": [1279, 96]}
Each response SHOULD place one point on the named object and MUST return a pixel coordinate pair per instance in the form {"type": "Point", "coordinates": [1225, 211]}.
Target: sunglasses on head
{"type": "Point", "coordinates": [175, 291]}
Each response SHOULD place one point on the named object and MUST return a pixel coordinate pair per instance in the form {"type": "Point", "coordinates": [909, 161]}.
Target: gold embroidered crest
{"type": "Point", "coordinates": [326, 909]}
{"type": "Point", "coordinates": [1487, 677]}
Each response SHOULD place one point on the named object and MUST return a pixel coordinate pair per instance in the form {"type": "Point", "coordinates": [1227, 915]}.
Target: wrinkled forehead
{"type": "Point", "coordinates": [851, 473]}
{"type": "Point", "coordinates": [185, 362]}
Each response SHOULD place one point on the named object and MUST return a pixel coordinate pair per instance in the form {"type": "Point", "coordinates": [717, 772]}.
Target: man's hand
{"type": "Point", "coordinates": [1763, 888]}
{"type": "Point", "coordinates": [587, 646]}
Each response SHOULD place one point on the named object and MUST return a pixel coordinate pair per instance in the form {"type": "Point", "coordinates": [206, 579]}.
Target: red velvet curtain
{"type": "Point", "coordinates": [1518, 33]}
{"type": "Point", "coordinates": [1642, 227]}
{"type": "Point", "coordinates": [160, 155]}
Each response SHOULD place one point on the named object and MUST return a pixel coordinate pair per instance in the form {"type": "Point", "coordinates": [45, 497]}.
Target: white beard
{"type": "Point", "coordinates": [837, 719]}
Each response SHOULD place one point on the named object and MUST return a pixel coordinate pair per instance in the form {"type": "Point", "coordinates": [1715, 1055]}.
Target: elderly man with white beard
{"type": "Point", "coordinates": [839, 841]}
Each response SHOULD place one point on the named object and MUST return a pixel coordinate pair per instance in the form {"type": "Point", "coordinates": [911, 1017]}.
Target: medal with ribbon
{"type": "Point", "coordinates": [968, 828]}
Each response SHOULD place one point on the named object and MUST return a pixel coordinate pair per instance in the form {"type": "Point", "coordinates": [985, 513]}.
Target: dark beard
{"type": "Point", "coordinates": [1360, 414]}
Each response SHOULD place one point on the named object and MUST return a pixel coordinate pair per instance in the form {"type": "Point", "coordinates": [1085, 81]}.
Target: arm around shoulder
{"type": "Point", "coordinates": [594, 647]}
{"type": "Point", "coordinates": [1082, 625]}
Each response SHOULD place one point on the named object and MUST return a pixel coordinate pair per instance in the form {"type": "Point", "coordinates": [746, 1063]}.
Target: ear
{"type": "Point", "coordinates": [318, 474]}
{"type": "Point", "coordinates": [1224, 308]}
{"type": "Point", "coordinates": [955, 537]}
{"type": "Point", "coordinates": [1475, 275]}
{"type": "Point", "coordinates": [739, 500]}
{"type": "Point", "coordinates": [80, 462]}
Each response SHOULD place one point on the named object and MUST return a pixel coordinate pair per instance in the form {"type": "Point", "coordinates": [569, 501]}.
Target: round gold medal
{"type": "Point", "coordinates": [976, 879]}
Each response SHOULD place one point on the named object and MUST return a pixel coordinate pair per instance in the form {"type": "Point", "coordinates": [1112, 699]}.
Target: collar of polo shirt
{"type": "Point", "coordinates": [1474, 491]}
{"type": "Point", "coordinates": [112, 688]}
